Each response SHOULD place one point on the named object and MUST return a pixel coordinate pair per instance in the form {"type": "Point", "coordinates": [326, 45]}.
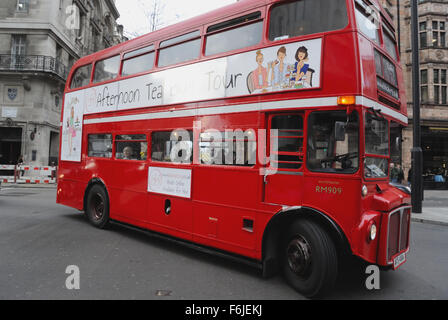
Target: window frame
{"type": "Point", "coordinates": [169, 163]}
{"type": "Point", "coordinates": [360, 144]}
{"type": "Point", "coordinates": [92, 79]}
{"type": "Point", "coordinates": [299, 153]}
{"type": "Point", "coordinates": [26, 4]}
{"type": "Point", "coordinates": [382, 77]}
{"type": "Point", "coordinates": [207, 33]}
{"type": "Point", "coordinates": [306, 36]}
{"type": "Point", "coordinates": [222, 131]}
{"type": "Point", "coordinates": [74, 73]}
{"type": "Point", "coordinates": [115, 140]}
{"type": "Point", "coordinates": [138, 52]}
{"type": "Point", "coordinates": [361, 6]}
{"type": "Point", "coordinates": [96, 157]}
{"type": "Point", "coordinates": [372, 155]}
{"type": "Point", "coordinates": [161, 47]}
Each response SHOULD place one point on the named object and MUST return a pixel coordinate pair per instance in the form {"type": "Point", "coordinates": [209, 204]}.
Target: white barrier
{"type": "Point", "coordinates": [31, 174]}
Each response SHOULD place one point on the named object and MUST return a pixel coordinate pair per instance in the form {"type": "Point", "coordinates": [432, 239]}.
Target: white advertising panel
{"type": "Point", "coordinates": [169, 181]}
{"type": "Point", "coordinates": [72, 127]}
{"type": "Point", "coordinates": [294, 66]}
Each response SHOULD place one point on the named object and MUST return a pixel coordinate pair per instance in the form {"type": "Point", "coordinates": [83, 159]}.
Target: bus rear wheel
{"type": "Point", "coordinates": [309, 259]}
{"type": "Point", "coordinates": [97, 207]}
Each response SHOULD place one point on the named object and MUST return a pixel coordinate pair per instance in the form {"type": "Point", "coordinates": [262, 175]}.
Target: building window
{"type": "Point", "coordinates": [18, 51]}
{"type": "Point", "coordinates": [438, 34]}
{"type": "Point", "coordinates": [57, 101]}
{"type": "Point", "coordinates": [440, 86]}
{"type": "Point", "coordinates": [82, 21]}
{"type": "Point", "coordinates": [423, 35]}
{"type": "Point", "coordinates": [18, 45]}
{"type": "Point", "coordinates": [424, 85]}
{"type": "Point", "coordinates": [23, 5]}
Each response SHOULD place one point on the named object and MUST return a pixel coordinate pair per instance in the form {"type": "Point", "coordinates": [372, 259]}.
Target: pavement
{"type": "Point", "coordinates": [435, 204]}
{"type": "Point", "coordinates": [435, 208]}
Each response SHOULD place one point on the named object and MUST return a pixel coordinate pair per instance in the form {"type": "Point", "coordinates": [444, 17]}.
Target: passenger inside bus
{"type": "Point", "coordinates": [128, 153]}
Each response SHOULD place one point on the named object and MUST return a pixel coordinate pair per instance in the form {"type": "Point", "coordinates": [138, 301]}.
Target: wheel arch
{"type": "Point", "coordinates": [273, 233]}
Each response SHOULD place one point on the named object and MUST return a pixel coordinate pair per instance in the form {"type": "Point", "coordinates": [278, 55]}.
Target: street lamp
{"type": "Point", "coordinates": [417, 153]}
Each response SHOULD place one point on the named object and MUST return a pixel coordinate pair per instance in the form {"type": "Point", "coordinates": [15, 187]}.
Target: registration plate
{"type": "Point", "coordinates": [399, 260]}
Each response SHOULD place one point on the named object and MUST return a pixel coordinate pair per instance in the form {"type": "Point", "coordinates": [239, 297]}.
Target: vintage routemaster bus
{"type": "Point", "coordinates": [260, 130]}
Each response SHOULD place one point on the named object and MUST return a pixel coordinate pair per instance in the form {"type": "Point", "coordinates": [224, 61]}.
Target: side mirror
{"type": "Point", "coordinates": [339, 130]}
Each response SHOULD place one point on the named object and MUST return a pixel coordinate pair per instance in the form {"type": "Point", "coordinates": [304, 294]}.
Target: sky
{"type": "Point", "coordinates": [133, 18]}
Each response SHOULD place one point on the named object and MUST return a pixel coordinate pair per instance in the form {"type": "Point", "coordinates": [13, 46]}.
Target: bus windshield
{"type": "Point", "coordinates": [377, 144]}
{"type": "Point", "coordinates": [333, 142]}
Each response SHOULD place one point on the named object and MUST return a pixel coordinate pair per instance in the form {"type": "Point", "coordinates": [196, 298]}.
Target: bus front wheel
{"type": "Point", "coordinates": [309, 259]}
{"type": "Point", "coordinates": [97, 207]}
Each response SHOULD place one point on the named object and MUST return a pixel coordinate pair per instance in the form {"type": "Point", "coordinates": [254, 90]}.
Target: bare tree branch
{"type": "Point", "coordinates": [153, 12]}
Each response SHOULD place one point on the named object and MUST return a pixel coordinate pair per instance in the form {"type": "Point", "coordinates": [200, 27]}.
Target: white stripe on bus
{"type": "Point", "coordinates": [260, 106]}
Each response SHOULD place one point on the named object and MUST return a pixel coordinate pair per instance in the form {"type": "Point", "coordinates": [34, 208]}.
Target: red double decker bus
{"type": "Point", "coordinates": [260, 130]}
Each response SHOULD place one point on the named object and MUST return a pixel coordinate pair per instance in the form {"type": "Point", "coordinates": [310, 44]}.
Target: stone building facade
{"type": "Point", "coordinates": [39, 41]}
{"type": "Point", "coordinates": [433, 47]}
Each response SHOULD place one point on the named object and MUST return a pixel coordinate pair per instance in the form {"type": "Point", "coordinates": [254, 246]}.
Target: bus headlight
{"type": "Point", "coordinates": [372, 231]}
{"type": "Point", "coordinates": [364, 190]}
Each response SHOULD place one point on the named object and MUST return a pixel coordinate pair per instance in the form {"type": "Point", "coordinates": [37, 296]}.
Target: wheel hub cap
{"type": "Point", "coordinates": [299, 256]}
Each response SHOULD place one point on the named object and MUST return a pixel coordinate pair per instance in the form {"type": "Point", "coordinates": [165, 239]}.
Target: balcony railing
{"type": "Point", "coordinates": [33, 64]}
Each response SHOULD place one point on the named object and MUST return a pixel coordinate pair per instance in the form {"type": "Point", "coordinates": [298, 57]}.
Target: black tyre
{"type": "Point", "coordinates": [310, 263]}
{"type": "Point", "coordinates": [97, 207]}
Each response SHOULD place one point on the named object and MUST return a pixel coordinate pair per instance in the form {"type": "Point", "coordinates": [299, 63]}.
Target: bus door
{"type": "Point", "coordinates": [283, 178]}
{"type": "Point", "coordinates": [169, 183]}
{"type": "Point", "coordinates": [127, 187]}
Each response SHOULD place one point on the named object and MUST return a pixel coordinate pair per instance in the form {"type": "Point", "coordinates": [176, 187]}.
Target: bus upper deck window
{"type": "Point", "coordinates": [137, 61]}
{"type": "Point", "coordinates": [106, 69]}
{"type": "Point", "coordinates": [237, 33]}
{"type": "Point", "coordinates": [367, 20]}
{"type": "Point", "coordinates": [389, 42]}
{"type": "Point", "coordinates": [180, 49]}
{"type": "Point", "coordinates": [304, 17]}
{"type": "Point", "coordinates": [81, 77]}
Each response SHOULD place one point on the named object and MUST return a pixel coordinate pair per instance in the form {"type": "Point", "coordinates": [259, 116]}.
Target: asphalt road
{"type": "Point", "coordinates": [39, 239]}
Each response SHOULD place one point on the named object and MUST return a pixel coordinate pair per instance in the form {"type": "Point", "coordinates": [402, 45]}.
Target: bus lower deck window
{"type": "Point", "coordinates": [131, 147]}
{"type": "Point", "coordinates": [100, 145]}
{"type": "Point", "coordinates": [172, 146]}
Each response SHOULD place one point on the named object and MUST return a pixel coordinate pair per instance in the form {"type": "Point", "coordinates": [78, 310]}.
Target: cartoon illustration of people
{"type": "Point", "coordinates": [300, 67]}
{"type": "Point", "coordinates": [260, 75]}
{"type": "Point", "coordinates": [279, 69]}
{"type": "Point", "coordinates": [71, 130]}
